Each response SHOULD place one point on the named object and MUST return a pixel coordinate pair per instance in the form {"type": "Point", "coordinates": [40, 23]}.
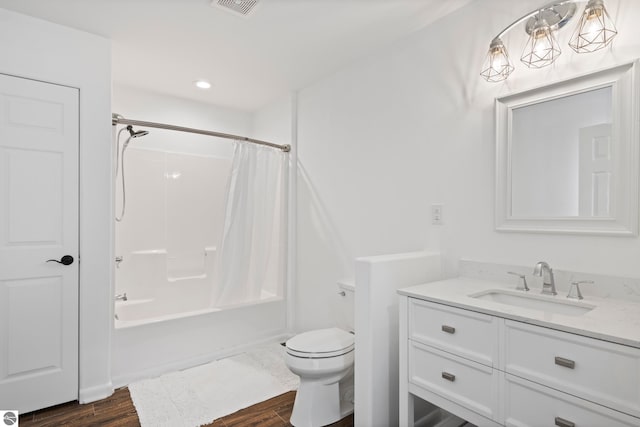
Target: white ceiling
{"type": "Point", "coordinates": [283, 45]}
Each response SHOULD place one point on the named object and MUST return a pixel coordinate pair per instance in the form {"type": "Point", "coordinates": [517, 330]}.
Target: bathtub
{"type": "Point", "coordinates": [169, 323]}
{"type": "Point", "coordinates": [147, 342]}
{"type": "Point", "coordinates": [143, 311]}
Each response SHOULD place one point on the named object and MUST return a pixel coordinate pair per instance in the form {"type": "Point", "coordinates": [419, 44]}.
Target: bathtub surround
{"type": "Point", "coordinates": [168, 249]}
{"type": "Point", "coordinates": [204, 393]}
{"type": "Point", "coordinates": [197, 171]}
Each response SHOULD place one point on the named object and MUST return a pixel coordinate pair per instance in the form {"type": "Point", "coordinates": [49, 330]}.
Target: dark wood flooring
{"type": "Point", "coordinates": [118, 411]}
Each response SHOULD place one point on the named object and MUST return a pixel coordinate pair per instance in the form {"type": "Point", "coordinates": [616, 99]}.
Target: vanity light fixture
{"type": "Point", "coordinates": [594, 31]}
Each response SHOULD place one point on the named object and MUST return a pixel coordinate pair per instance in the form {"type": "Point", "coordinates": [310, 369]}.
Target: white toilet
{"type": "Point", "coordinates": [323, 359]}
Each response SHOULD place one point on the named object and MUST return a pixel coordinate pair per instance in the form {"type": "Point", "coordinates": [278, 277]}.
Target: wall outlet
{"type": "Point", "coordinates": [436, 214]}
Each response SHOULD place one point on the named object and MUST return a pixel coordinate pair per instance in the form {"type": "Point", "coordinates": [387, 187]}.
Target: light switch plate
{"type": "Point", "coordinates": [436, 214]}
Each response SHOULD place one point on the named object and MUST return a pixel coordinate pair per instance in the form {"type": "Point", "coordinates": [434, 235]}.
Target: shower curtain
{"type": "Point", "coordinates": [250, 257]}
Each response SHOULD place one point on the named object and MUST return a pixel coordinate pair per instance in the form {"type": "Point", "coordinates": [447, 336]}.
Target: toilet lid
{"type": "Point", "coordinates": [321, 343]}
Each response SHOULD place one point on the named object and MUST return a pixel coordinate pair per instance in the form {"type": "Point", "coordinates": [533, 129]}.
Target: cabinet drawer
{"type": "Point", "coordinates": [530, 404]}
{"type": "Point", "coordinates": [466, 333]}
{"type": "Point", "coordinates": [599, 371]}
{"type": "Point", "coordinates": [467, 383]}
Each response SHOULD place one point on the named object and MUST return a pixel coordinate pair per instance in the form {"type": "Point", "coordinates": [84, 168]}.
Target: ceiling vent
{"type": "Point", "coordinates": [238, 7]}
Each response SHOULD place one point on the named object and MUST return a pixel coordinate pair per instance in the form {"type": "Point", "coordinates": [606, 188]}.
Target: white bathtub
{"type": "Point", "coordinates": [138, 312]}
{"type": "Point", "coordinates": [148, 341]}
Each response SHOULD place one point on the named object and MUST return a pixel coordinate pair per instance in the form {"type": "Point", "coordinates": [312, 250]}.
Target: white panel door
{"type": "Point", "coordinates": [39, 145]}
{"type": "Point", "coordinates": [595, 171]}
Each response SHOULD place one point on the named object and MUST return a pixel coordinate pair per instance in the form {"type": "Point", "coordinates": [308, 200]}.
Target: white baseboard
{"type": "Point", "coordinates": [91, 394]}
{"type": "Point", "coordinates": [155, 371]}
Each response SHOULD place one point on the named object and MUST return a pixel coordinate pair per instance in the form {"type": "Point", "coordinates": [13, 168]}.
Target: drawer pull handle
{"type": "Point", "coordinates": [449, 377]}
{"type": "Point", "coordinates": [561, 422]}
{"type": "Point", "coordinates": [567, 363]}
{"type": "Point", "coordinates": [448, 329]}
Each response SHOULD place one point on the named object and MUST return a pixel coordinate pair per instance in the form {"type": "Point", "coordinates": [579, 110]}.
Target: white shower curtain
{"type": "Point", "coordinates": [250, 257]}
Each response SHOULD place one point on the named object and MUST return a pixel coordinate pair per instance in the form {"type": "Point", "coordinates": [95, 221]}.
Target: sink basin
{"type": "Point", "coordinates": [536, 302]}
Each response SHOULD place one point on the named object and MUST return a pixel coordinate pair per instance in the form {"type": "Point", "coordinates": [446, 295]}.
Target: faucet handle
{"type": "Point", "coordinates": [576, 294]}
{"type": "Point", "coordinates": [522, 286]}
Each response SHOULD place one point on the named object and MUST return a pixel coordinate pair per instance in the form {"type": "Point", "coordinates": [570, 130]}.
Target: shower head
{"type": "Point", "coordinates": [136, 134]}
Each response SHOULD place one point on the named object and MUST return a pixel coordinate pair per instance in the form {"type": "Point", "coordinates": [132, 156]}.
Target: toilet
{"type": "Point", "coordinates": [323, 359]}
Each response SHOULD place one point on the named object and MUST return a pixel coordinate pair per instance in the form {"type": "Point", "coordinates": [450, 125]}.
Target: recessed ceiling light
{"type": "Point", "coordinates": [202, 84]}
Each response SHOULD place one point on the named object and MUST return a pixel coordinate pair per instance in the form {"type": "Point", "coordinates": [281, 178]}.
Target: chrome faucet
{"type": "Point", "coordinates": [121, 297]}
{"type": "Point", "coordinates": [548, 284]}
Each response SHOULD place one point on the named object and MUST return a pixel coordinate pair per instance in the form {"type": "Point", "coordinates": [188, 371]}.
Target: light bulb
{"type": "Point", "coordinates": [595, 29]}
{"type": "Point", "coordinates": [542, 48]}
{"type": "Point", "coordinates": [496, 66]}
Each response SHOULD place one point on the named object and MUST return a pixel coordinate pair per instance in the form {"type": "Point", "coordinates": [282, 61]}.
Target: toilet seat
{"type": "Point", "coordinates": [321, 343]}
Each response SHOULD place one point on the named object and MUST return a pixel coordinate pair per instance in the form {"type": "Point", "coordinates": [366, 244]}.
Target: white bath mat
{"type": "Point", "coordinates": [199, 395]}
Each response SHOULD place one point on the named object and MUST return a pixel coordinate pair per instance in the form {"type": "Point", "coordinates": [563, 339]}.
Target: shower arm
{"type": "Point", "coordinates": [117, 119]}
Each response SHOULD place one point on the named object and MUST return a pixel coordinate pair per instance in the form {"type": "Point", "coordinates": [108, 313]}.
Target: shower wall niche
{"type": "Point", "coordinates": [174, 216]}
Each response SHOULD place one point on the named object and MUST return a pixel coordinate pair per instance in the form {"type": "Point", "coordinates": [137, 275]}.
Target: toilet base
{"type": "Point", "coordinates": [319, 404]}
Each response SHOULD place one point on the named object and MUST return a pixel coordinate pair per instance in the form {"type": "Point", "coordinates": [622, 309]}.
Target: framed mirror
{"type": "Point", "coordinates": [567, 156]}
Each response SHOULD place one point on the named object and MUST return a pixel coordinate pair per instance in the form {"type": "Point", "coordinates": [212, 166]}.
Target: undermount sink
{"type": "Point", "coordinates": [535, 302]}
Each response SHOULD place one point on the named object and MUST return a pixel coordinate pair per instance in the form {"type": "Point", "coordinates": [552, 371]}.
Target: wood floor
{"type": "Point", "coordinates": [118, 411]}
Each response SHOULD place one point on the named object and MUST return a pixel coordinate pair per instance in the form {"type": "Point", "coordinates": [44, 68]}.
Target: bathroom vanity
{"type": "Point", "coordinates": [496, 356]}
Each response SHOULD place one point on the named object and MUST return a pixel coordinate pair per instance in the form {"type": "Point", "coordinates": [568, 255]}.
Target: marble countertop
{"type": "Point", "coordinates": [611, 319]}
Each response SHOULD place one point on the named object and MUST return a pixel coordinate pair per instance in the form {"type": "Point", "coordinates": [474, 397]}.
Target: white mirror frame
{"type": "Point", "coordinates": [624, 81]}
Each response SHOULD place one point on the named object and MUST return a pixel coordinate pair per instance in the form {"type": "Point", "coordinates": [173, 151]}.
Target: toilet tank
{"type": "Point", "coordinates": [346, 294]}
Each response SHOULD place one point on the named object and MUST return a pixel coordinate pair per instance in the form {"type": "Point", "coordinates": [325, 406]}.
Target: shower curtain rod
{"type": "Point", "coordinates": [117, 119]}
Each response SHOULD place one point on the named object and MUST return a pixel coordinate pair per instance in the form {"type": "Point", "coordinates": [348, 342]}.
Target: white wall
{"type": "Point", "coordinates": [273, 123]}
{"type": "Point", "coordinates": [43, 51]}
{"type": "Point", "coordinates": [276, 123]}
{"type": "Point", "coordinates": [413, 125]}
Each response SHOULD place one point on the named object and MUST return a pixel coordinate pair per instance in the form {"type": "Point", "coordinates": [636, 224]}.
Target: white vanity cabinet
{"type": "Point", "coordinates": [530, 404]}
{"type": "Point", "coordinates": [595, 370]}
{"type": "Point", "coordinates": [493, 371]}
